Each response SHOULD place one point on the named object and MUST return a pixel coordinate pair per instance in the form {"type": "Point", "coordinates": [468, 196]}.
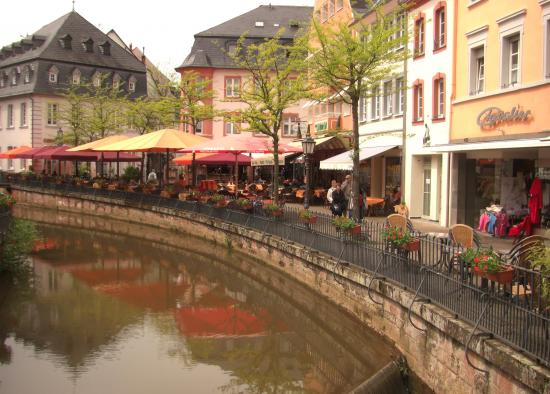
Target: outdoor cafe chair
{"type": "Point", "coordinates": [403, 223]}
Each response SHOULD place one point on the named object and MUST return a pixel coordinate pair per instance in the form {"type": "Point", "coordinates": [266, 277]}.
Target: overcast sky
{"type": "Point", "coordinates": [164, 27]}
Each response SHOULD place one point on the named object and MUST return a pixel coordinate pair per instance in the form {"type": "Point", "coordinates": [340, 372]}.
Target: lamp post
{"type": "Point", "coordinates": [308, 145]}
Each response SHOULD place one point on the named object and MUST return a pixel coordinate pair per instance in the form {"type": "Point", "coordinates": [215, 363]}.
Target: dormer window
{"type": "Point", "coordinates": [88, 45]}
{"type": "Point", "coordinates": [105, 48]}
{"type": "Point", "coordinates": [260, 24]}
{"type": "Point", "coordinates": [231, 48]}
{"type": "Point", "coordinates": [132, 84]}
{"type": "Point", "coordinates": [26, 74]}
{"type": "Point", "coordinates": [52, 74]}
{"type": "Point", "coordinates": [2, 80]}
{"type": "Point", "coordinates": [116, 81]}
{"type": "Point", "coordinates": [76, 77]}
{"type": "Point", "coordinates": [14, 77]}
{"type": "Point", "coordinates": [66, 41]}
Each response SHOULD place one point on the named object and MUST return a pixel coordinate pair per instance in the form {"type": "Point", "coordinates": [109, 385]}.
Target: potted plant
{"type": "Point", "coordinates": [487, 263]}
{"type": "Point", "coordinates": [345, 224]}
{"type": "Point", "coordinates": [169, 191]}
{"type": "Point", "coordinates": [245, 204]}
{"type": "Point", "coordinates": [401, 239]}
{"type": "Point", "coordinates": [539, 257]}
{"type": "Point", "coordinates": [308, 216]}
{"type": "Point", "coordinates": [99, 183]}
{"type": "Point", "coordinates": [273, 210]}
{"type": "Point", "coordinates": [192, 196]}
{"type": "Point", "coordinates": [6, 201]}
{"type": "Point", "coordinates": [218, 200]}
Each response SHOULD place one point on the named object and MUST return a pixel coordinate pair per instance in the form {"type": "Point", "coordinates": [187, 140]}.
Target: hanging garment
{"type": "Point", "coordinates": [491, 224]}
{"type": "Point", "coordinates": [483, 220]}
{"type": "Point", "coordinates": [535, 200]}
{"type": "Point", "coordinates": [501, 225]}
{"type": "Point", "coordinates": [525, 228]}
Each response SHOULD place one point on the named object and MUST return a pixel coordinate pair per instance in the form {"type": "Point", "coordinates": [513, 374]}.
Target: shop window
{"type": "Point", "coordinates": [399, 95]}
{"type": "Point", "coordinates": [510, 67]}
{"type": "Point", "coordinates": [477, 70]}
{"type": "Point", "coordinates": [440, 25]}
{"type": "Point", "coordinates": [375, 104]}
{"type": "Point", "coordinates": [439, 97]}
{"type": "Point", "coordinates": [388, 98]}
{"type": "Point", "coordinates": [419, 36]}
{"type": "Point", "coordinates": [418, 101]}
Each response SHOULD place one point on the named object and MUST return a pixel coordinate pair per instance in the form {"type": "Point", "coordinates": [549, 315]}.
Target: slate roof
{"type": "Point", "coordinates": [43, 49]}
{"type": "Point", "coordinates": [209, 46]}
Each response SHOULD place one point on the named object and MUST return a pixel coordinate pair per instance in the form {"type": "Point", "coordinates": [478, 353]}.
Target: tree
{"type": "Point", "coordinates": [73, 112]}
{"type": "Point", "coordinates": [353, 61]}
{"type": "Point", "coordinates": [195, 99]}
{"type": "Point", "coordinates": [278, 80]}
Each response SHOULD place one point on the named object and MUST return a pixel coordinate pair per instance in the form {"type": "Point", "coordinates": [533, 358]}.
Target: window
{"type": "Point", "coordinates": [116, 81]}
{"type": "Point", "coordinates": [232, 86]}
{"type": "Point", "coordinates": [418, 101]}
{"type": "Point", "coordinates": [231, 128]}
{"type": "Point", "coordinates": [362, 109]}
{"type": "Point", "coordinates": [547, 48]}
{"type": "Point", "coordinates": [10, 161]}
{"type": "Point", "coordinates": [23, 115]}
{"type": "Point", "coordinates": [419, 36]}
{"type": "Point", "coordinates": [14, 77]}
{"type": "Point", "coordinates": [388, 98]}
{"type": "Point", "coordinates": [400, 95]}
{"type": "Point", "coordinates": [400, 33]}
{"type": "Point", "coordinates": [52, 114]}
{"type": "Point", "coordinates": [510, 60]}
{"type": "Point", "coordinates": [199, 127]}
{"type": "Point", "coordinates": [439, 97]}
{"type": "Point", "coordinates": [52, 74]}
{"type": "Point", "coordinates": [132, 84]}
{"type": "Point", "coordinates": [339, 5]}
{"type": "Point", "coordinates": [440, 34]}
{"type": "Point", "coordinates": [26, 75]}
{"type": "Point", "coordinates": [2, 81]}
{"type": "Point", "coordinates": [288, 130]}
{"type": "Point", "coordinates": [331, 5]}
{"type": "Point", "coordinates": [76, 77]}
{"type": "Point", "coordinates": [9, 118]}
{"type": "Point", "coordinates": [324, 11]}
{"type": "Point", "coordinates": [375, 104]}
{"type": "Point", "coordinates": [105, 48]}
{"type": "Point", "coordinates": [477, 70]}
{"type": "Point", "coordinates": [88, 45]}
{"type": "Point", "coordinates": [96, 79]}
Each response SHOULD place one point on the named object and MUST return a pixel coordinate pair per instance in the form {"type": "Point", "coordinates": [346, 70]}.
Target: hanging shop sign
{"type": "Point", "coordinates": [493, 116]}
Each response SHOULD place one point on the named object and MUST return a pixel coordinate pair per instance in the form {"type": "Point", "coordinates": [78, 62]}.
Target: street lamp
{"type": "Point", "coordinates": [308, 146]}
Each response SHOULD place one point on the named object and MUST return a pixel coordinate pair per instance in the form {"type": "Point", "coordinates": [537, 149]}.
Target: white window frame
{"type": "Point", "coordinates": [96, 79]}
{"type": "Point", "coordinates": [440, 98]}
{"type": "Point", "coordinates": [339, 5]}
{"type": "Point", "coordinates": [132, 85]}
{"type": "Point", "coordinates": [441, 40]}
{"type": "Point", "coordinates": [363, 108]}
{"type": "Point", "coordinates": [419, 114]}
{"type": "Point", "coordinates": [23, 115]}
{"type": "Point", "coordinates": [52, 114]}
{"type": "Point", "coordinates": [510, 26]}
{"type": "Point", "coordinates": [288, 130]}
{"type": "Point", "coordinates": [14, 78]}
{"type": "Point", "coordinates": [399, 95]}
{"type": "Point", "coordinates": [474, 70]}
{"type": "Point", "coordinates": [9, 117]}
{"type": "Point", "coordinates": [230, 128]}
{"type": "Point", "coordinates": [199, 128]}
{"type": "Point", "coordinates": [26, 75]}
{"type": "Point", "coordinates": [233, 87]}
{"type": "Point", "coordinates": [52, 77]}
{"type": "Point", "coordinates": [76, 77]}
{"type": "Point", "coordinates": [375, 104]}
{"type": "Point", "coordinates": [331, 8]}
{"type": "Point", "coordinates": [388, 97]}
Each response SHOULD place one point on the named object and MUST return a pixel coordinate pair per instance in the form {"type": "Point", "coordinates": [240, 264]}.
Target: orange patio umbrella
{"type": "Point", "coordinates": [90, 146]}
{"type": "Point", "coordinates": [12, 153]}
{"type": "Point", "coordinates": [165, 140]}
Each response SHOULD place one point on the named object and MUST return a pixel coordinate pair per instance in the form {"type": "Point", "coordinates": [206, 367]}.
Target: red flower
{"type": "Point", "coordinates": [476, 260]}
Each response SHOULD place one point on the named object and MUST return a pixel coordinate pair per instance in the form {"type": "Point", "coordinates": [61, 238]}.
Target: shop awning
{"type": "Point", "coordinates": [267, 160]}
{"type": "Point", "coordinates": [369, 147]}
{"type": "Point", "coordinates": [492, 145]}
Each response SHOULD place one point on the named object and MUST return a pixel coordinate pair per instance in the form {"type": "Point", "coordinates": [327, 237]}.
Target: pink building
{"type": "Point", "coordinates": [209, 58]}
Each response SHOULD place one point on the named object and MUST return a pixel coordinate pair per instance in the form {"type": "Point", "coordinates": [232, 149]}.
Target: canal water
{"type": "Point", "coordinates": [117, 308]}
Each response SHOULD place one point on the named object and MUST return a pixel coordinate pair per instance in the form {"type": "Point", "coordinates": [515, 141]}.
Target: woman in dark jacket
{"type": "Point", "coordinates": [338, 205]}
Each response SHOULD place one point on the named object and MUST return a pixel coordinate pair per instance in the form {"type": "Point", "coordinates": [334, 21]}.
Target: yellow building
{"type": "Point", "coordinates": [500, 113]}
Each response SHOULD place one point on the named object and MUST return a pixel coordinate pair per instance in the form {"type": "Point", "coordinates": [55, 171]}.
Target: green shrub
{"type": "Point", "coordinates": [131, 173]}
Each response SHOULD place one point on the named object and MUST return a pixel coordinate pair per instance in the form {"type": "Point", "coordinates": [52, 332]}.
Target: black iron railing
{"type": "Point", "coordinates": [515, 312]}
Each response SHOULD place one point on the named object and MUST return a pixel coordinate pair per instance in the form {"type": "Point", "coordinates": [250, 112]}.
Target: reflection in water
{"type": "Point", "coordinates": [115, 313]}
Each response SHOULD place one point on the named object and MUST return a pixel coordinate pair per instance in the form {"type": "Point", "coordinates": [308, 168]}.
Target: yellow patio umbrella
{"type": "Point", "coordinates": [98, 144]}
{"type": "Point", "coordinates": [165, 140]}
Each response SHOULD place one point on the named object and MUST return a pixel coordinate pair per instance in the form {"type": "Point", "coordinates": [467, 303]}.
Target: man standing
{"type": "Point", "coordinates": [346, 188]}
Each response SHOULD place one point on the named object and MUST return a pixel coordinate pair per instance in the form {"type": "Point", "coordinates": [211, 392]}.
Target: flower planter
{"type": "Point", "coordinates": [275, 213]}
{"type": "Point", "coordinates": [221, 203]}
{"type": "Point", "coordinates": [246, 207]}
{"type": "Point", "coordinates": [412, 246]}
{"type": "Point", "coordinates": [506, 275]}
{"type": "Point", "coordinates": [355, 230]}
{"type": "Point", "coordinates": [165, 194]}
{"type": "Point", "coordinates": [311, 220]}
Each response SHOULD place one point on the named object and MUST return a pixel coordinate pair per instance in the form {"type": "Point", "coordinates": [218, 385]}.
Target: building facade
{"type": "Point", "coordinates": [430, 80]}
{"type": "Point", "coordinates": [500, 114]}
{"type": "Point", "coordinates": [210, 58]}
{"type": "Point", "coordinates": [34, 70]}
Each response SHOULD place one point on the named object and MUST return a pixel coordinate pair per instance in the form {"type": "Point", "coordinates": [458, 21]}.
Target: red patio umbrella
{"type": "Point", "coordinates": [30, 154]}
{"type": "Point", "coordinates": [212, 159]}
{"type": "Point", "coordinates": [240, 143]}
{"type": "Point", "coordinates": [12, 153]}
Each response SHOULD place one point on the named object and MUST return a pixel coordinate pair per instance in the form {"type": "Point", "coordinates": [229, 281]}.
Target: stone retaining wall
{"type": "Point", "coordinates": [436, 355]}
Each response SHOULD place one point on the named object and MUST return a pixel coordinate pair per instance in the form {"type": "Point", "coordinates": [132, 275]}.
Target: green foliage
{"type": "Point", "coordinates": [6, 200]}
{"type": "Point", "coordinates": [343, 223]}
{"type": "Point", "coordinates": [272, 207]}
{"type": "Point", "coordinates": [130, 173]}
{"type": "Point", "coordinates": [306, 214]}
{"type": "Point", "coordinates": [486, 260]}
{"type": "Point", "coordinates": [540, 260]}
{"type": "Point", "coordinates": [243, 202]}
{"type": "Point", "coordinates": [217, 198]}
{"type": "Point", "coordinates": [396, 235]}
{"type": "Point", "coordinates": [194, 92]}
{"type": "Point", "coordinates": [17, 244]}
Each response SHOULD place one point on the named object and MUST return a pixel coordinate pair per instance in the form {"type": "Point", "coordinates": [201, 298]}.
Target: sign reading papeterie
{"type": "Point", "coordinates": [491, 117]}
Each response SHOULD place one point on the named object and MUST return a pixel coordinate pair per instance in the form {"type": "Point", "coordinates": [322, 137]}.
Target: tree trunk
{"type": "Point", "coordinates": [355, 148]}
{"type": "Point", "coordinates": [275, 183]}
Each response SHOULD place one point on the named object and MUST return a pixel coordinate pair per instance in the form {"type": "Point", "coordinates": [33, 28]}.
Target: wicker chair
{"type": "Point", "coordinates": [395, 220]}
{"type": "Point", "coordinates": [464, 236]}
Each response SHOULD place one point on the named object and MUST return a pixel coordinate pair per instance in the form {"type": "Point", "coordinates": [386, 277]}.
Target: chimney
{"type": "Point", "coordinates": [143, 55]}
